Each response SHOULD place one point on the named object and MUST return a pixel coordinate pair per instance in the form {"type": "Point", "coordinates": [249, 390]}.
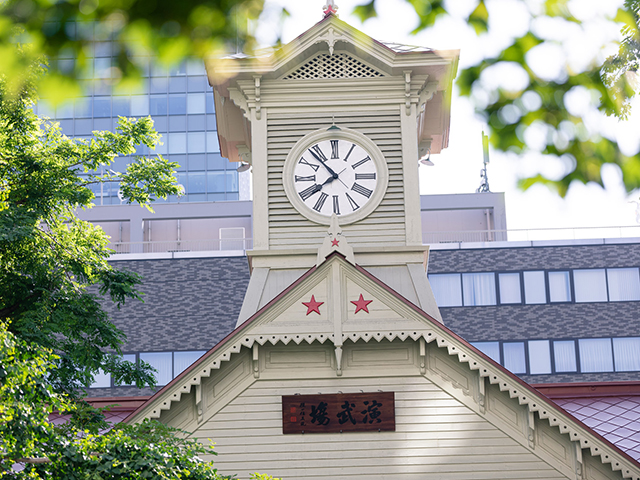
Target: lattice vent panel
{"type": "Point", "coordinates": [339, 65]}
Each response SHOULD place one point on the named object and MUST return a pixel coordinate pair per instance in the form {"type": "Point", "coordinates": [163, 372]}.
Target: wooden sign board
{"type": "Point", "coordinates": [338, 413]}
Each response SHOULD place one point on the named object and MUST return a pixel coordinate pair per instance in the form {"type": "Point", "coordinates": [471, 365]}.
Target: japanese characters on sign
{"type": "Point", "coordinates": [340, 412]}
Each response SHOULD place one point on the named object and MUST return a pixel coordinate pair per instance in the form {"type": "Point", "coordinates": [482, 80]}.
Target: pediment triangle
{"type": "Point", "coordinates": [338, 298]}
{"type": "Point", "coordinates": [333, 49]}
{"type": "Point", "coordinates": [381, 313]}
{"type": "Point", "coordinates": [290, 314]}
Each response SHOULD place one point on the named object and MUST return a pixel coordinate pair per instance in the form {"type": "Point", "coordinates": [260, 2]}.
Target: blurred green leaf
{"type": "Point", "coordinates": [170, 30]}
{"type": "Point", "coordinates": [479, 18]}
{"type": "Point", "coordinates": [366, 11]}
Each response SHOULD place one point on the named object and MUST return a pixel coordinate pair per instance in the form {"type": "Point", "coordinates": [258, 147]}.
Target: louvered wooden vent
{"type": "Point", "coordinates": [338, 65]}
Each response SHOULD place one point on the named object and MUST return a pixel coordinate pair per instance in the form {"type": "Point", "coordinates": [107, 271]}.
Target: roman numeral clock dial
{"type": "Point", "coordinates": [339, 172]}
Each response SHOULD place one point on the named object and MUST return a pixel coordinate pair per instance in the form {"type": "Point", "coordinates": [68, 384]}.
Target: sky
{"type": "Point", "coordinates": [457, 168]}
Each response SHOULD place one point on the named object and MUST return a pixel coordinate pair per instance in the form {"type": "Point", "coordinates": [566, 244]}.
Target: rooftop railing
{"type": "Point", "coordinates": [240, 244]}
{"type": "Point", "coordinates": [539, 234]}
{"type": "Point", "coordinates": [429, 238]}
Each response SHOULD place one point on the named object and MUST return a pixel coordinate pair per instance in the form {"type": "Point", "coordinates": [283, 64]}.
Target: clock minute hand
{"type": "Point", "coordinates": [333, 174]}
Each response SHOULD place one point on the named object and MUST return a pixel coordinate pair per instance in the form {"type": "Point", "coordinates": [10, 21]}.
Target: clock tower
{"type": "Point", "coordinates": [340, 364]}
{"type": "Point", "coordinates": [333, 125]}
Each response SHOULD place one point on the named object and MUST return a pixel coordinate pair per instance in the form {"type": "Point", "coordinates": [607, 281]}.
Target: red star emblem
{"type": "Point", "coordinates": [335, 242]}
{"type": "Point", "coordinates": [361, 304]}
{"type": "Point", "coordinates": [312, 305]}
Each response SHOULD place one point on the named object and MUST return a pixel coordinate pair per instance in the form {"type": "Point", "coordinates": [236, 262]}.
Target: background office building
{"type": "Point", "coordinates": [181, 104]}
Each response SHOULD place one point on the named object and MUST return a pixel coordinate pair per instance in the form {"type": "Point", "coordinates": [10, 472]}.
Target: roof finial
{"type": "Point", "coordinates": [330, 8]}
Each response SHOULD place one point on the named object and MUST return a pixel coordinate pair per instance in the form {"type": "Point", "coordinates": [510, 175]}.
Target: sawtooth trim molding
{"type": "Point", "coordinates": [506, 382]}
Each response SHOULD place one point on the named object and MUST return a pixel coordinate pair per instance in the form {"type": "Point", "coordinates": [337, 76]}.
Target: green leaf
{"type": "Point", "coordinates": [479, 18]}
{"type": "Point", "coordinates": [365, 11]}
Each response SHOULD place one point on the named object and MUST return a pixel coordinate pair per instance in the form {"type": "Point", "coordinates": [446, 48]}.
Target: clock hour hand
{"type": "Point", "coordinates": [313, 189]}
{"type": "Point", "coordinates": [329, 169]}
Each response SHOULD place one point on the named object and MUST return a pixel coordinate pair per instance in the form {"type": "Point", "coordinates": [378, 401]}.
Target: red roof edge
{"type": "Point", "coordinates": [120, 403]}
{"type": "Point", "coordinates": [588, 389]}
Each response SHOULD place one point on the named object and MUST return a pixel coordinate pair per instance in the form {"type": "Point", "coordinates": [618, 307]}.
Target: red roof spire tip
{"type": "Point", "coordinates": [330, 8]}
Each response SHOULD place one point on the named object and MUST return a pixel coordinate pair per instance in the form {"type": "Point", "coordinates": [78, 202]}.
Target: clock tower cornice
{"type": "Point", "coordinates": [366, 107]}
{"type": "Point", "coordinates": [330, 35]}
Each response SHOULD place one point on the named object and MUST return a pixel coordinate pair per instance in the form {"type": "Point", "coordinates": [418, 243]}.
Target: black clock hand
{"type": "Point", "coordinates": [333, 174]}
{"type": "Point", "coordinates": [313, 189]}
{"type": "Point", "coordinates": [328, 180]}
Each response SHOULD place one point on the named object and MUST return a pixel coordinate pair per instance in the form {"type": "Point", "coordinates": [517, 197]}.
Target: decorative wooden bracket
{"type": "Point", "coordinates": [532, 429]}
{"type": "Point", "coordinates": [579, 463]}
{"type": "Point", "coordinates": [482, 396]}
{"type": "Point", "coordinates": [199, 402]}
{"type": "Point", "coordinates": [256, 81]}
{"type": "Point", "coordinates": [426, 94]}
{"type": "Point", "coordinates": [407, 91]}
{"type": "Point", "coordinates": [423, 356]}
{"type": "Point", "coordinates": [256, 358]}
{"type": "Point", "coordinates": [331, 38]}
{"type": "Point", "coordinates": [240, 100]}
{"type": "Point", "coordinates": [339, 361]}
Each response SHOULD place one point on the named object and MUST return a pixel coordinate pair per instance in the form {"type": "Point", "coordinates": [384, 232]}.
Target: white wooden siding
{"type": "Point", "coordinates": [436, 437]}
{"type": "Point", "coordinates": [286, 226]}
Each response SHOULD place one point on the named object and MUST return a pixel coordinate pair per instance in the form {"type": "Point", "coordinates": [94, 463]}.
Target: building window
{"type": "Point", "coordinates": [490, 349]}
{"type": "Point", "coordinates": [590, 285]}
{"type": "Point", "coordinates": [626, 352]}
{"type": "Point", "coordinates": [514, 358]}
{"type": "Point", "coordinates": [595, 355]}
{"type": "Point", "coordinates": [158, 104]}
{"type": "Point", "coordinates": [183, 360]}
{"type": "Point", "coordinates": [447, 289]}
{"type": "Point", "coordinates": [509, 288]}
{"type": "Point", "coordinates": [564, 353]}
{"type": "Point", "coordinates": [177, 142]}
{"type": "Point", "coordinates": [559, 287]}
{"type": "Point", "coordinates": [128, 357]}
{"type": "Point", "coordinates": [196, 103]}
{"type": "Point", "coordinates": [177, 104]}
{"type": "Point", "coordinates": [197, 182]}
{"type": "Point", "coordinates": [539, 357]}
{"type": "Point", "coordinates": [162, 362]}
{"type": "Point", "coordinates": [624, 284]}
{"type": "Point", "coordinates": [479, 288]}
{"type": "Point", "coordinates": [535, 291]}
{"type": "Point", "coordinates": [196, 142]}
{"type": "Point", "coordinates": [101, 380]}
{"type": "Point", "coordinates": [139, 105]}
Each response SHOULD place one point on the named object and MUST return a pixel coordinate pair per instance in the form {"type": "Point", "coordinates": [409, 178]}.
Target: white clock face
{"type": "Point", "coordinates": [335, 176]}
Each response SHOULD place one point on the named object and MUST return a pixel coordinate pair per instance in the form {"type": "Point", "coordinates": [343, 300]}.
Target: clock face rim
{"type": "Point", "coordinates": [349, 135]}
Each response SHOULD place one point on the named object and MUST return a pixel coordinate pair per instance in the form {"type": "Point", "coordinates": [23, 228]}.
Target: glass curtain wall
{"type": "Point", "coordinates": [180, 103]}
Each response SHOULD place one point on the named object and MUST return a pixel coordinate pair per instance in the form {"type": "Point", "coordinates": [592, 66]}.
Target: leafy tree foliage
{"type": "Point", "coordinates": [84, 447]}
{"type": "Point", "coordinates": [147, 450]}
{"type": "Point", "coordinates": [542, 104]}
{"type": "Point", "coordinates": [53, 265]}
{"type": "Point", "coordinates": [26, 400]}
{"type": "Point", "coordinates": [69, 29]}
{"type": "Point", "coordinates": [621, 70]}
